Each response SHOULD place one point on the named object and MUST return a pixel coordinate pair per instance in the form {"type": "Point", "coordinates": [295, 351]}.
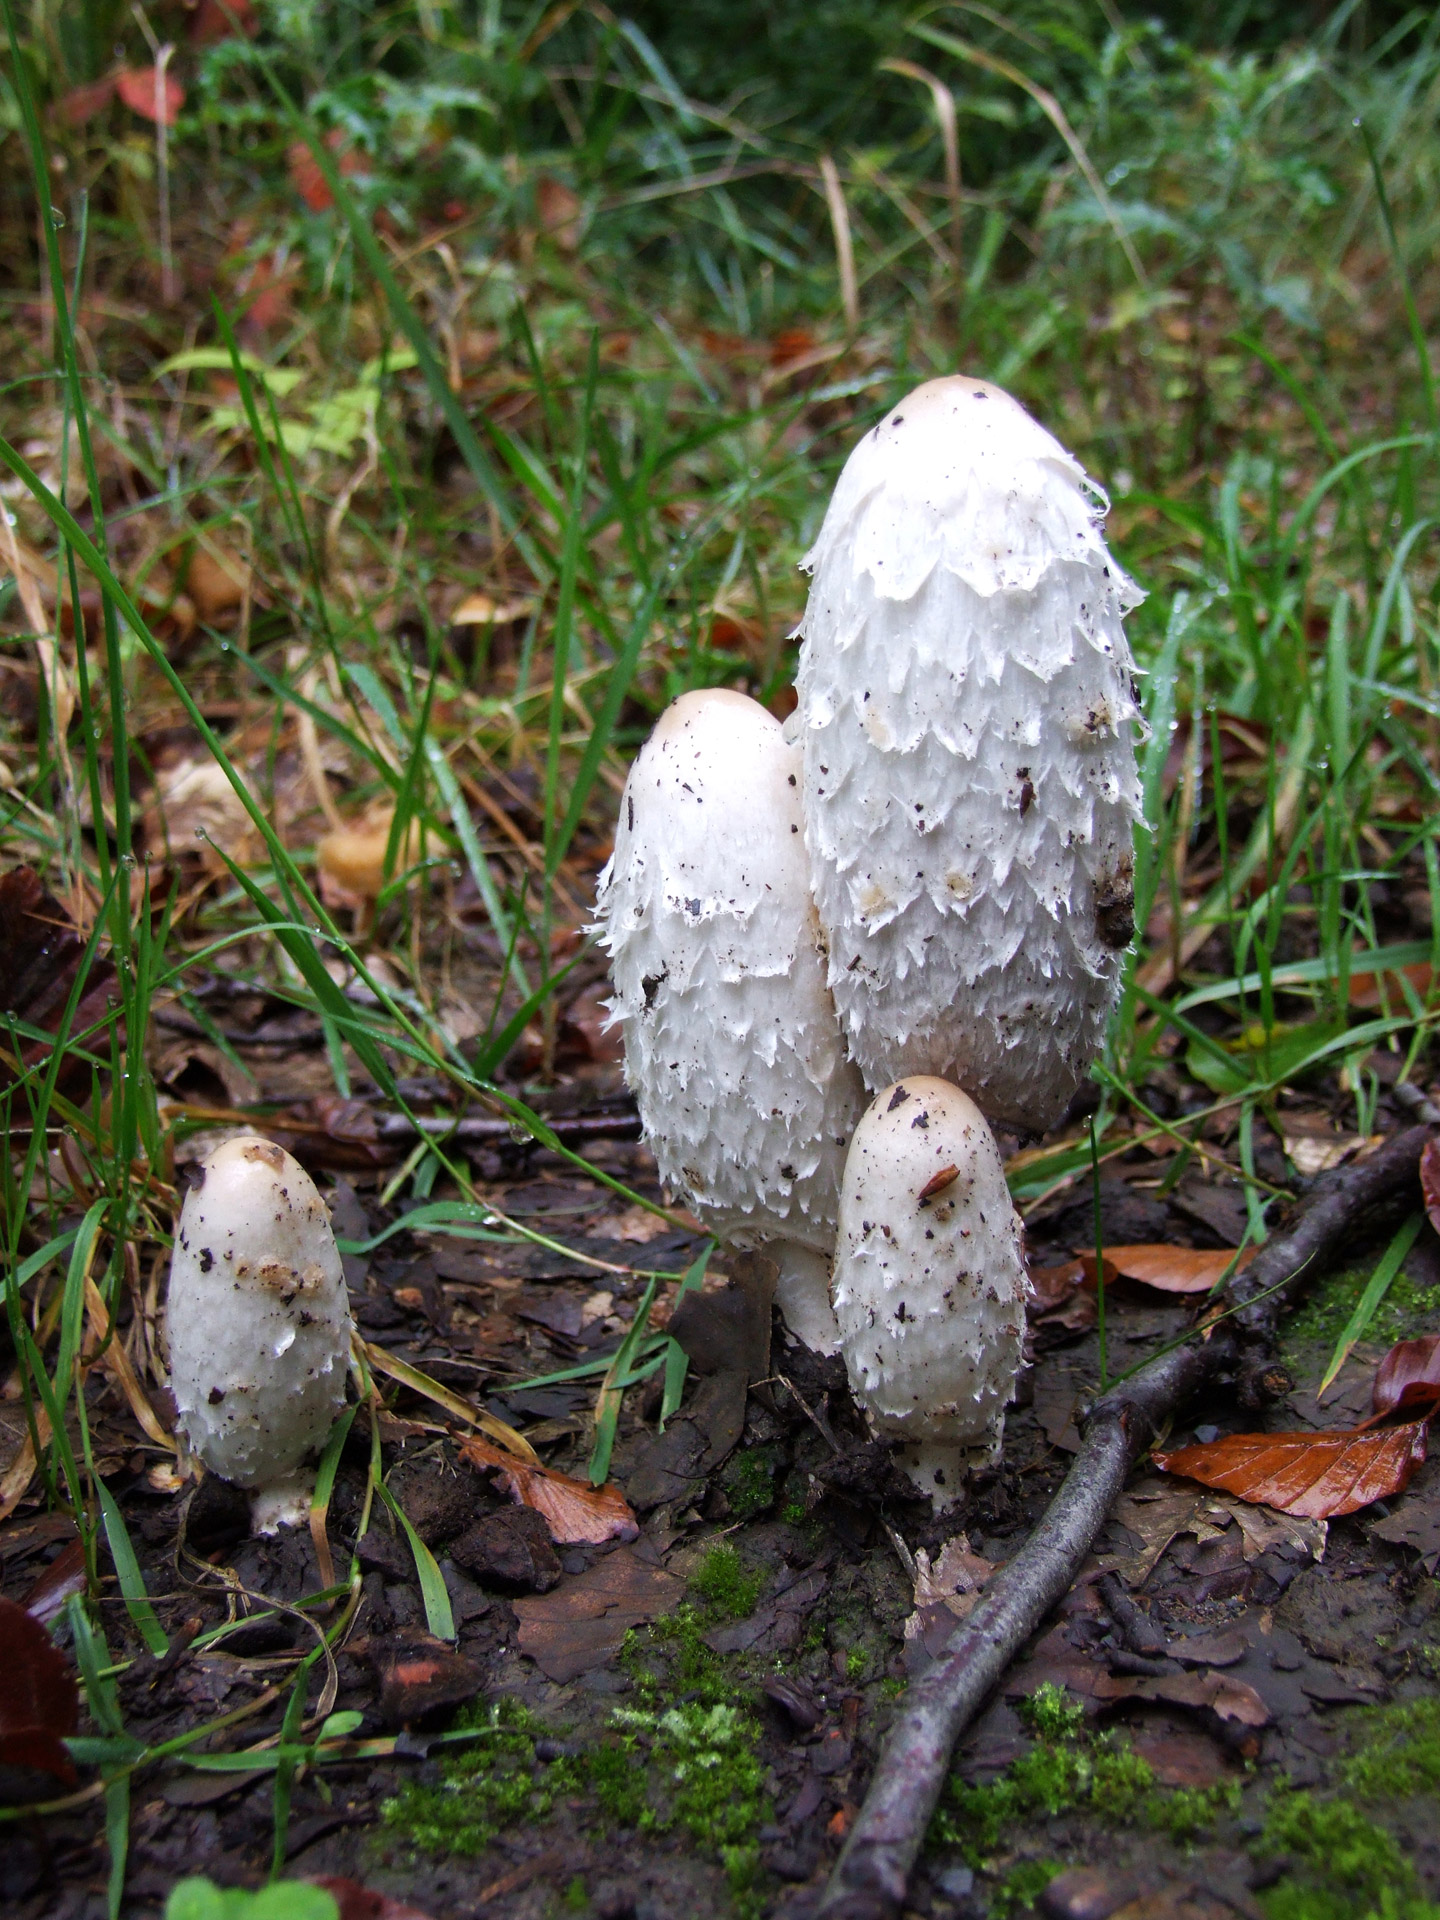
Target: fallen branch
{"type": "Point", "coordinates": [871, 1875]}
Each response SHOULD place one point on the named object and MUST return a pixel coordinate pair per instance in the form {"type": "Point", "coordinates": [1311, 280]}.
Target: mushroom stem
{"type": "Point", "coordinates": [802, 1293]}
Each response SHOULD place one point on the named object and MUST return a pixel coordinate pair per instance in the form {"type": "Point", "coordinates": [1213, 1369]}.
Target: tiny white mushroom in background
{"type": "Point", "coordinates": [966, 717]}
{"type": "Point", "coordinates": [259, 1324]}
{"type": "Point", "coordinates": [732, 1046]}
{"type": "Point", "coordinates": [930, 1285]}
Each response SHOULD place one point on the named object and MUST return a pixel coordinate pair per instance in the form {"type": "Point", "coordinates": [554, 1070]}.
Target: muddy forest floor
{"type": "Point", "coordinates": [399, 408]}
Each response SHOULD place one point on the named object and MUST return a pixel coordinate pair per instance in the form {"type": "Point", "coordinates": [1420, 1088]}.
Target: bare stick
{"type": "Point", "coordinates": [872, 1873]}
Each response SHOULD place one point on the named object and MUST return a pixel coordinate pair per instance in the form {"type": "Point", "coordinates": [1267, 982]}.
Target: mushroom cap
{"type": "Point", "coordinates": [929, 1286]}
{"type": "Point", "coordinates": [966, 717]}
{"type": "Point", "coordinates": [732, 1046]}
{"type": "Point", "coordinates": [258, 1316]}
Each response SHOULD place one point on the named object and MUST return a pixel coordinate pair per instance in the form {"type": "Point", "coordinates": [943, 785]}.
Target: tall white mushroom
{"type": "Point", "coordinates": [259, 1324]}
{"type": "Point", "coordinates": [731, 1042]}
{"type": "Point", "coordinates": [930, 1283]}
{"type": "Point", "coordinates": [966, 718]}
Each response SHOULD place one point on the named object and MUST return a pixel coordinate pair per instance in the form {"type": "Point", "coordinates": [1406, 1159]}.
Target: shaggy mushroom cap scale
{"type": "Point", "coordinates": [929, 1286]}
{"type": "Point", "coordinates": [258, 1316]}
{"type": "Point", "coordinates": [966, 719]}
{"type": "Point", "coordinates": [732, 1046]}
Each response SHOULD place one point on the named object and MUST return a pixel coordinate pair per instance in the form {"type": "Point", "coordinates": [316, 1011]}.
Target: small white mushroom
{"type": "Point", "coordinates": [966, 717]}
{"type": "Point", "coordinates": [259, 1324]}
{"type": "Point", "coordinates": [930, 1284]}
{"type": "Point", "coordinates": [732, 1046]}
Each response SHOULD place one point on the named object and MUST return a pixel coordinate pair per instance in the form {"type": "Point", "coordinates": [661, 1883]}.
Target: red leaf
{"type": "Point", "coordinates": [83, 103]}
{"type": "Point", "coordinates": [216, 20]}
{"type": "Point", "coordinates": [309, 182]}
{"type": "Point", "coordinates": [149, 94]}
{"type": "Point", "coordinates": [1314, 1475]}
{"type": "Point", "coordinates": [573, 1510]}
{"type": "Point", "coordinates": [39, 1702]}
{"type": "Point", "coordinates": [1171, 1269]}
{"type": "Point", "coordinates": [365, 1903]}
{"type": "Point", "coordinates": [1430, 1181]}
{"type": "Point", "coordinates": [1409, 1375]}
{"type": "Point", "coordinates": [54, 1584]}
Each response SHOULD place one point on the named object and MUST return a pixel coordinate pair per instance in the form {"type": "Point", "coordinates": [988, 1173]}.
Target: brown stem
{"type": "Point", "coordinates": [871, 1875]}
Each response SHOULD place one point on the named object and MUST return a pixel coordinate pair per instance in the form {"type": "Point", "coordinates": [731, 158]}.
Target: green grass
{"type": "Point", "coordinates": [570, 333]}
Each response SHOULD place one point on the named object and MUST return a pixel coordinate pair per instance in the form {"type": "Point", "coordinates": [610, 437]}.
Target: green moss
{"type": "Point", "coordinates": [704, 1776]}
{"type": "Point", "coordinates": [671, 1658]}
{"type": "Point", "coordinates": [749, 1481]}
{"type": "Point", "coordinates": [722, 1582]}
{"type": "Point", "coordinates": [1402, 1756]}
{"type": "Point", "coordinates": [1337, 1847]}
{"type": "Point", "coordinates": [575, 1898]}
{"type": "Point", "coordinates": [1023, 1886]}
{"type": "Point", "coordinates": [1406, 1310]}
{"type": "Point", "coordinates": [618, 1783]}
{"type": "Point", "coordinates": [483, 1788]}
{"type": "Point", "coordinates": [1190, 1812]}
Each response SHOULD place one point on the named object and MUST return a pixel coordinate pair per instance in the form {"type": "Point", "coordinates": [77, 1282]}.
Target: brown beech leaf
{"type": "Point", "coordinates": [39, 1702]}
{"type": "Point", "coordinates": [357, 1902]}
{"type": "Point", "coordinates": [573, 1510]}
{"type": "Point", "coordinates": [152, 96]}
{"type": "Point", "coordinates": [1430, 1181]}
{"type": "Point", "coordinates": [54, 1584]}
{"type": "Point", "coordinates": [1376, 989]}
{"type": "Point", "coordinates": [1232, 1708]}
{"type": "Point", "coordinates": [1171, 1269]}
{"type": "Point", "coordinates": [1409, 1375]}
{"type": "Point", "coordinates": [1315, 1475]}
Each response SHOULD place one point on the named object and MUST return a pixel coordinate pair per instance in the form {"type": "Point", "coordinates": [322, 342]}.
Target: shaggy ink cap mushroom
{"type": "Point", "coordinates": [966, 717]}
{"type": "Point", "coordinates": [930, 1285]}
{"type": "Point", "coordinates": [258, 1321]}
{"type": "Point", "coordinates": [732, 1046]}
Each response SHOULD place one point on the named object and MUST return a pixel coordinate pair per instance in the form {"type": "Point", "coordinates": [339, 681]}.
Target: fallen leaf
{"type": "Point", "coordinates": [583, 1622]}
{"type": "Point", "coordinates": [54, 1584]}
{"type": "Point", "coordinates": [1234, 1703]}
{"type": "Point", "coordinates": [559, 209]}
{"type": "Point", "coordinates": [634, 1227]}
{"type": "Point", "coordinates": [945, 1592]}
{"type": "Point", "coordinates": [1060, 1303]}
{"type": "Point", "coordinates": [352, 859]}
{"type": "Point", "coordinates": [1430, 1181]}
{"type": "Point", "coordinates": [1409, 1375]}
{"type": "Point", "coordinates": [1311, 1153]}
{"type": "Point", "coordinates": [483, 610]}
{"type": "Point", "coordinates": [216, 20]}
{"type": "Point", "coordinates": [216, 582]}
{"type": "Point", "coordinates": [83, 103]}
{"type": "Point", "coordinates": [586, 1033]}
{"type": "Point", "coordinates": [1367, 989]}
{"type": "Point", "coordinates": [1263, 1530]}
{"type": "Point", "coordinates": [305, 174]}
{"type": "Point", "coordinates": [1154, 1513]}
{"type": "Point", "coordinates": [1415, 1521]}
{"type": "Point", "coordinates": [574, 1511]}
{"type": "Point", "coordinates": [1170, 1269]}
{"type": "Point", "coordinates": [39, 1701]}
{"type": "Point", "coordinates": [1318, 1475]}
{"type": "Point", "coordinates": [1181, 1759]}
{"type": "Point", "coordinates": [365, 1903]}
{"type": "Point", "coordinates": [151, 94]}
{"type": "Point", "coordinates": [776, 1625]}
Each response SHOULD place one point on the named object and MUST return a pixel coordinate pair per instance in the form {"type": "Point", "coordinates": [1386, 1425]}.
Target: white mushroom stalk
{"type": "Point", "coordinates": [732, 1046]}
{"type": "Point", "coordinates": [259, 1324]}
{"type": "Point", "coordinates": [966, 717]}
{"type": "Point", "coordinates": [930, 1283]}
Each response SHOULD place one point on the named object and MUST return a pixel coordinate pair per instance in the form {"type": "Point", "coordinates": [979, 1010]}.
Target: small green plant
{"type": "Point", "coordinates": [749, 1482]}
{"type": "Point", "coordinates": [286, 1900]}
{"type": "Point", "coordinates": [576, 1899]}
{"type": "Point", "coordinates": [855, 1664]}
{"type": "Point", "coordinates": [671, 1657]}
{"type": "Point", "coordinates": [725, 1586]}
{"type": "Point", "coordinates": [1189, 1812]}
{"type": "Point", "coordinates": [1402, 1757]}
{"type": "Point", "coordinates": [707, 1779]}
{"type": "Point", "coordinates": [1051, 1714]}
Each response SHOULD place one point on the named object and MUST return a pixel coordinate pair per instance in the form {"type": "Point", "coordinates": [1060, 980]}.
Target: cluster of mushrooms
{"type": "Point", "coordinates": [837, 946]}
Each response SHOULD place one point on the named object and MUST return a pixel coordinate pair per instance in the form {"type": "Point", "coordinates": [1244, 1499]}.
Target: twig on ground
{"type": "Point", "coordinates": [870, 1878]}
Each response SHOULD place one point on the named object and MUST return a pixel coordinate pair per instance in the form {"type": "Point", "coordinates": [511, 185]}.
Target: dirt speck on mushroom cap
{"type": "Point", "coordinates": [966, 719]}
